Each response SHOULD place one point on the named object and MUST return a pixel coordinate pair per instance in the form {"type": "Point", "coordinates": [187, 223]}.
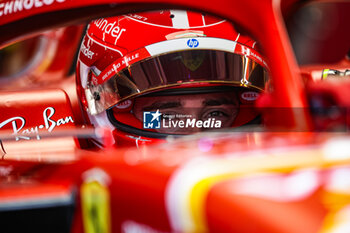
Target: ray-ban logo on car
{"type": "Point", "coordinates": [151, 120]}
{"type": "Point", "coordinates": [50, 122]}
{"type": "Point", "coordinates": [192, 43]}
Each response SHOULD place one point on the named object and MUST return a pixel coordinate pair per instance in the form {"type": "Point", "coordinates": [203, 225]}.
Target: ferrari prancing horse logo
{"type": "Point", "coordinates": [193, 60]}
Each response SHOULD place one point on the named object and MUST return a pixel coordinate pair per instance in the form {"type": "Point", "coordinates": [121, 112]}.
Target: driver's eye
{"type": "Point", "coordinates": [215, 114]}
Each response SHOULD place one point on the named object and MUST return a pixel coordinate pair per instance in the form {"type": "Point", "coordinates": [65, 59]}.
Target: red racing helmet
{"type": "Point", "coordinates": [129, 65]}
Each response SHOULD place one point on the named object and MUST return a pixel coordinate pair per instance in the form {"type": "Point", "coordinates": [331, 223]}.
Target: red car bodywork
{"type": "Point", "coordinates": [245, 182]}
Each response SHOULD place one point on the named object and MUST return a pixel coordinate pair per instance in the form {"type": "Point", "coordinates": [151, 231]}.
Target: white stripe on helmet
{"type": "Point", "coordinates": [179, 19]}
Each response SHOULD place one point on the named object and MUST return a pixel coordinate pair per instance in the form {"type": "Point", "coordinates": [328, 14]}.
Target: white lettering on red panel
{"type": "Point", "coordinates": [116, 67]}
{"type": "Point", "coordinates": [139, 17]}
{"type": "Point", "coordinates": [7, 8]}
{"type": "Point", "coordinates": [20, 132]}
{"type": "Point", "coordinates": [86, 51]}
{"type": "Point", "coordinates": [109, 28]}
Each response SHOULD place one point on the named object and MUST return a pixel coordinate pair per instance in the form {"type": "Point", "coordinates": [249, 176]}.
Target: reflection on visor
{"type": "Point", "coordinates": [185, 67]}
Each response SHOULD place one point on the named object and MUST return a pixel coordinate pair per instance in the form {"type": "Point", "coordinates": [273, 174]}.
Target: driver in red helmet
{"type": "Point", "coordinates": [150, 75]}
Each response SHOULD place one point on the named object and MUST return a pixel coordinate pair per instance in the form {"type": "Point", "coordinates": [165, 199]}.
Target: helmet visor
{"type": "Point", "coordinates": [174, 69]}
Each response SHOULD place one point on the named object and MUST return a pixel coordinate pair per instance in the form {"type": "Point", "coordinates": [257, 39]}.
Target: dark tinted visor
{"type": "Point", "coordinates": [174, 69]}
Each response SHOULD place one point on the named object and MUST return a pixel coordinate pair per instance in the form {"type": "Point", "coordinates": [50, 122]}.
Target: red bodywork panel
{"type": "Point", "coordinates": [262, 188]}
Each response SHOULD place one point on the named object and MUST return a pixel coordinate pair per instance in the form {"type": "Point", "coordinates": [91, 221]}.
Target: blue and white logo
{"type": "Point", "coordinates": [192, 43]}
{"type": "Point", "coordinates": [151, 120]}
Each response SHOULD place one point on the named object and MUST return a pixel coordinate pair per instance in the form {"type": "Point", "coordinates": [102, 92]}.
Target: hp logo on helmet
{"type": "Point", "coordinates": [192, 43]}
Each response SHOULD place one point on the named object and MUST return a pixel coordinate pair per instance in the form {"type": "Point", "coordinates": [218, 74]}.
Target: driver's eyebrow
{"type": "Point", "coordinates": [161, 105]}
{"type": "Point", "coordinates": [217, 102]}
